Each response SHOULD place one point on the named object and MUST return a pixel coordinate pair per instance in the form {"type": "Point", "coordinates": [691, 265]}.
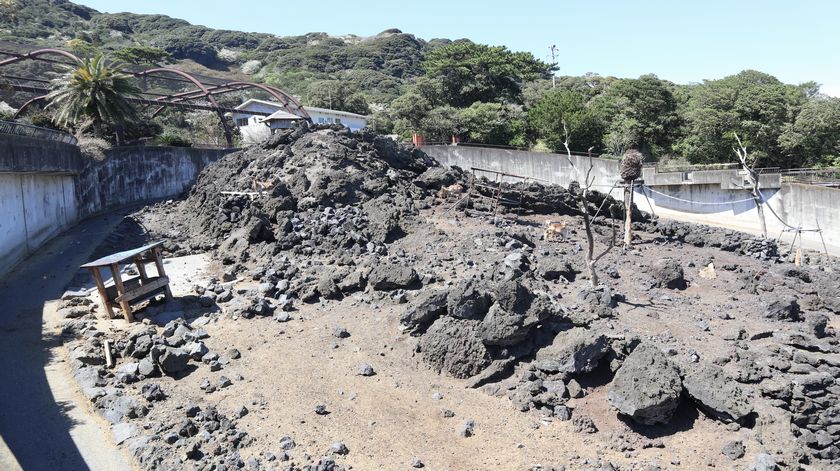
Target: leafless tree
{"type": "Point", "coordinates": [749, 167]}
{"type": "Point", "coordinates": [585, 187]}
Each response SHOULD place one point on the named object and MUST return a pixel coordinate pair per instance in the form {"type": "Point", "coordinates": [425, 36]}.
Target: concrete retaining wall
{"type": "Point", "coordinates": [709, 197]}
{"type": "Point", "coordinates": [46, 187]}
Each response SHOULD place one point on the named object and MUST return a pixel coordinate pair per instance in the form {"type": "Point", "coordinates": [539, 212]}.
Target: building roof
{"type": "Point", "coordinates": [309, 109]}
{"type": "Point", "coordinates": [280, 115]}
{"type": "Point", "coordinates": [251, 101]}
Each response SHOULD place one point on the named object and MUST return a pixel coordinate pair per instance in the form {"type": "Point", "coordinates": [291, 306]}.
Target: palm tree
{"type": "Point", "coordinates": [94, 91]}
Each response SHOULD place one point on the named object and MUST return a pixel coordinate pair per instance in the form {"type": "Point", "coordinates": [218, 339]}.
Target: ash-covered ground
{"type": "Point", "coordinates": [362, 318]}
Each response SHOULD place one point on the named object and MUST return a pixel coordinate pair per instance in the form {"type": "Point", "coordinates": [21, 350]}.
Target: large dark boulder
{"type": "Point", "coordinates": [715, 393]}
{"type": "Point", "coordinates": [453, 346]}
{"type": "Point", "coordinates": [517, 309]}
{"type": "Point", "coordinates": [389, 276]}
{"type": "Point", "coordinates": [552, 268]}
{"type": "Point", "coordinates": [573, 351]}
{"type": "Point", "coordinates": [424, 309]}
{"type": "Point", "coordinates": [173, 360]}
{"type": "Point", "coordinates": [647, 387]}
{"type": "Point", "coordinates": [783, 309]}
{"type": "Point", "coordinates": [467, 300]}
{"type": "Point", "coordinates": [667, 273]}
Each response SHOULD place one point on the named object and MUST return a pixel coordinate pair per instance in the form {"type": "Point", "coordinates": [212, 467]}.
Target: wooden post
{"type": "Point", "coordinates": [628, 214]}
{"type": "Point", "coordinates": [126, 307]}
{"type": "Point", "coordinates": [103, 293]}
{"type": "Point", "coordinates": [109, 359]}
{"type": "Point", "coordinates": [141, 267]}
{"type": "Point", "coordinates": [159, 266]}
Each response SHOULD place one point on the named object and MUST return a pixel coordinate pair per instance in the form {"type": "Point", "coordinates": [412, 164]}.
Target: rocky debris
{"type": "Point", "coordinates": [425, 308]}
{"type": "Point", "coordinates": [573, 351]}
{"type": "Point", "coordinates": [783, 309]}
{"type": "Point", "coordinates": [583, 424]}
{"type": "Point", "coordinates": [467, 429]}
{"type": "Point", "coordinates": [700, 235]}
{"type": "Point", "coordinates": [647, 387]}
{"type": "Point", "coordinates": [387, 277]}
{"type": "Point", "coordinates": [365, 370]}
{"type": "Point", "coordinates": [667, 273]}
{"type": "Point", "coordinates": [515, 311]}
{"type": "Point", "coordinates": [829, 295]}
{"type": "Point", "coordinates": [552, 268]}
{"type": "Point", "coordinates": [715, 393]}
{"type": "Point", "coordinates": [453, 346]}
{"type": "Point", "coordinates": [417, 463]}
{"type": "Point", "coordinates": [287, 443]}
{"type": "Point", "coordinates": [733, 450]}
{"type": "Point", "coordinates": [339, 448]}
{"type": "Point", "coordinates": [763, 462]}
{"type": "Point", "coordinates": [467, 300]}
{"type": "Point", "coordinates": [173, 360]}
{"type": "Point", "coordinates": [152, 392]}
{"type": "Point", "coordinates": [335, 222]}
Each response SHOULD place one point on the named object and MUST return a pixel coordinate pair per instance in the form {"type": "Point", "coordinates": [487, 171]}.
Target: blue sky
{"type": "Point", "coordinates": [680, 41]}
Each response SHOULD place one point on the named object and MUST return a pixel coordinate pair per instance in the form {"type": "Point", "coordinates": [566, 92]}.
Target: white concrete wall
{"type": "Point", "coordinates": [319, 116]}
{"type": "Point", "coordinates": [44, 189]}
{"type": "Point", "coordinates": [254, 133]}
{"type": "Point", "coordinates": [33, 209]}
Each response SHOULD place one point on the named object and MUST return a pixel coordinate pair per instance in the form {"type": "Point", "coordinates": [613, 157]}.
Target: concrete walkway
{"type": "Point", "coordinates": [45, 422]}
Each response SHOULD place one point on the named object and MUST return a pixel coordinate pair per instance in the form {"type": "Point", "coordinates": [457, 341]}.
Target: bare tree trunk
{"type": "Point", "coordinates": [753, 178]}
{"type": "Point", "coordinates": [759, 205]}
{"type": "Point", "coordinates": [590, 243]}
{"type": "Point", "coordinates": [585, 185]}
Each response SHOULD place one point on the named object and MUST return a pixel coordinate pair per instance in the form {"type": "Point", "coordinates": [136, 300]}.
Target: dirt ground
{"type": "Point", "coordinates": [388, 419]}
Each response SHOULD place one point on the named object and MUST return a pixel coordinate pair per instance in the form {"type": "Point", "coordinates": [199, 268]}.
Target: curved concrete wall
{"type": "Point", "coordinates": [46, 186]}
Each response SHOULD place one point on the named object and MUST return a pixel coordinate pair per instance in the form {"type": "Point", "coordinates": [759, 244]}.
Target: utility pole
{"type": "Point", "coordinates": [553, 49]}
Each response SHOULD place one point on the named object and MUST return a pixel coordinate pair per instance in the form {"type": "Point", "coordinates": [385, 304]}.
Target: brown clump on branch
{"type": "Point", "coordinates": [631, 165]}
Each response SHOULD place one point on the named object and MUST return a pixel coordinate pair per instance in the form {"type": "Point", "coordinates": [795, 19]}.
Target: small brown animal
{"type": "Point", "coordinates": [555, 230]}
{"type": "Point", "coordinates": [259, 185]}
{"type": "Point", "coordinates": [451, 190]}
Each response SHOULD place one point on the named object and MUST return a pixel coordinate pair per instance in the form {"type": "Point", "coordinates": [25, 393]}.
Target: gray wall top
{"type": "Point", "coordinates": [21, 154]}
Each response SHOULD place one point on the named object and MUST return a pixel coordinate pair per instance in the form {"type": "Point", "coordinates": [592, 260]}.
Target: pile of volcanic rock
{"type": "Point", "coordinates": [700, 235]}
{"type": "Point", "coordinates": [309, 215]}
{"type": "Point", "coordinates": [506, 333]}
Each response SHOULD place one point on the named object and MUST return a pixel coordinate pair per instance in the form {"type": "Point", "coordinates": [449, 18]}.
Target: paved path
{"type": "Point", "coordinates": [45, 422]}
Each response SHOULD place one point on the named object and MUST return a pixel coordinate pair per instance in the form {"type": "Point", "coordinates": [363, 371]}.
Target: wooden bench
{"type": "Point", "coordinates": [122, 293]}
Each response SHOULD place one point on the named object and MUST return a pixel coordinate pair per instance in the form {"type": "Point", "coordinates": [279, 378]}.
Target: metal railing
{"type": "Point", "coordinates": [812, 176]}
{"type": "Point", "coordinates": [27, 130]}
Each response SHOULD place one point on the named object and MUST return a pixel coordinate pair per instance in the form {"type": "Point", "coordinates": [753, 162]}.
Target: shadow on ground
{"type": "Point", "coordinates": [33, 425]}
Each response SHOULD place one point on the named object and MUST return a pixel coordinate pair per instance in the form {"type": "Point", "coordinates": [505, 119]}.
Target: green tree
{"type": "Point", "coordinates": [93, 90]}
{"type": "Point", "coordinates": [643, 110]}
{"type": "Point", "coordinates": [752, 104]}
{"type": "Point", "coordinates": [561, 106]}
{"type": "Point", "coordinates": [491, 123]}
{"type": "Point", "coordinates": [82, 48]}
{"type": "Point", "coordinates": [143, 55]}
{"type": "Point", "coordinates": [814, 137]}
{"type": "Point", "coordinates": [408, 112]}
{"type": "Point", "coordinates": [441, 123]}
{"type": "Point", "coordinates": [471, 72]}
{"type": "Point", "coordinates": [337, 95]}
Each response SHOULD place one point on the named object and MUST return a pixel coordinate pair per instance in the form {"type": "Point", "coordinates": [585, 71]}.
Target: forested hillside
{"type": "Point", "coordinates": [480, 93]}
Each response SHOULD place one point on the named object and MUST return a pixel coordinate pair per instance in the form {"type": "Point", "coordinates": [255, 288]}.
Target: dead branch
{"type": "Point", "coordinates": [752, 176]}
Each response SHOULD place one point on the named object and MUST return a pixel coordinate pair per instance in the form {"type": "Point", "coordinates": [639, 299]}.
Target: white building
{"type": "Point", "coordinates": [258, 119]}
